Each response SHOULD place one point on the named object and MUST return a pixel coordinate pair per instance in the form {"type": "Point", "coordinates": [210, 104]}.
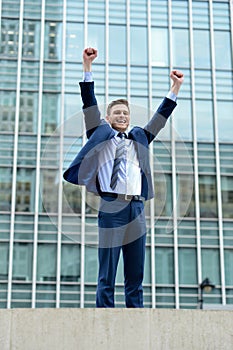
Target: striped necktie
{"type": "Point", "coordinates": [119, 155]}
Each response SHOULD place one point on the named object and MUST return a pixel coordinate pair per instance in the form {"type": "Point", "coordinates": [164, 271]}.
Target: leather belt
{"type": "Point", "coordinates": [126, 197]}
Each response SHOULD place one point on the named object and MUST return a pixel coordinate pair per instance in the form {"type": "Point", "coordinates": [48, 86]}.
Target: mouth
{"type": "Point", "coordinates": [121, 121]}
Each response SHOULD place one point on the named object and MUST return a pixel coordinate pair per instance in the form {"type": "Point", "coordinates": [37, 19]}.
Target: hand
{"type": "Point", "coordinates": [89, 54]}
{"type": "Point", "coordinates": [178, 78]}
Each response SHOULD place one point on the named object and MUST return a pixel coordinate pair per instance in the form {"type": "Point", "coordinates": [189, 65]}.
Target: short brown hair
{"type": "Point", "coordinates": [120, 101]}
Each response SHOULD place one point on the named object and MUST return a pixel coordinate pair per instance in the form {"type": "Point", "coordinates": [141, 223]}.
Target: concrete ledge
{"type": "Point", "coordinates": [110, 329]}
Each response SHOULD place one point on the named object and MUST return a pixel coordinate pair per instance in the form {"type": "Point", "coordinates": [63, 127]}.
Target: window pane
{"type": "Point", "coordinates": [164, 265]}
{"type": "Point", "coordinates": [183, 120]}
{"type": "Point", "coordinates": [53, 40]}
{"type": "Point", "coordinates": [201, 48]}
{"type": "Point", "coordinates": [204, 119]}
{"type": "Point", "coordinates": [211, 265]}
{"type": "Point", "coordinates": [227, 196]}
{"type": "Point", "coordinates": [225, 120]}
{"type": "Point", "coordinates": [159, 46]}
{"type": "Point", "coordinates": [22, 261]}
{"type": "Point", "coordinates": [70, 263]}
{"type": "Point", "coordinates": [91, 264]}
{"type": "Point", "coordinates": [208, 196]}
{"type": "Point", "coordinates": [117, 44]}
{"type": "Point", "coordinates": [46, 263]}
{"type": "Point", "coordinates": [138, 46]}
{"type": "Point", "coordinates": [228, 255]}
{"type": "Point", "coordinates": [4, 253]}
{"type": "Point", "coordinates": [187, 266]}
{"type": "Point", "coordinates": [180, 48]}
{"type": "Point", "coordinates": [74, 42]}
{"type": "Point", "coordinates": [222, 44]}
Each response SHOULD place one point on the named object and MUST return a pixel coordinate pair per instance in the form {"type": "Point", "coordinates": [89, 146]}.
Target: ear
{"type": "Point", "coordinates": [107, 118]}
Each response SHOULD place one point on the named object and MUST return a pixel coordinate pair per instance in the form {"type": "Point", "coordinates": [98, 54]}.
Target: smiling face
{"type": "Point", "coordinates": [119, 117]}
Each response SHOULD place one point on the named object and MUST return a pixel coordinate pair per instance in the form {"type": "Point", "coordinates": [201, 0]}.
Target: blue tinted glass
{"type": "Point", "coordinates": [164, 265]}
{"type": "Point", "coordinates": [180, 48]}
{"type": "Point", "coordinates": [96, 39]}
{"type": "Point", "coordinates": [204, 120]}
{"type": "Point", "coordinates": [187, 266]}
{"type": "Point", "coordinates": [183, 120]}
{"type": "Point", "coordinates": [211, 265]}
{"type": "Point", "coordinates": [201, 48]}
{"type": "Point", "coordinates": [117, 44]}
{"type": "Point", "coordinates": [223, 54]}
{"type": "Point", "coordinates": [138, 45]}
{"type": "Point", "coordinates": [159, 47]}
{"type": "Point", "coordinates": [74, 41]}
{"type": "Point", "coordinates": [225, 120]}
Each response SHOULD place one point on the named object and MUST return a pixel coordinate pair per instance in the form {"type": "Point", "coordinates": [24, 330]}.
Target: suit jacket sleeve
{"type": "Point", "coordinates": [159, 118]}
{"type": "Point", "coordinates": [90, 107]}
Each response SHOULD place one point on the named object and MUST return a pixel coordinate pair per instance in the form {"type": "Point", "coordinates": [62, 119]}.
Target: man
{"type": "Point", "coordinates": [114, 164]}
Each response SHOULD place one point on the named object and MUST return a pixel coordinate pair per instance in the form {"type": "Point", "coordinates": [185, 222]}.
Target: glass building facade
{"type": "Point", "coordinates": [48, 228]}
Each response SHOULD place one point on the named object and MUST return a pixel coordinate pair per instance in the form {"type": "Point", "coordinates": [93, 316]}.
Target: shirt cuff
{"type": "Point", "coordinates": [172, 96]}
{"type": "Point", "coordinates": [87, 77]}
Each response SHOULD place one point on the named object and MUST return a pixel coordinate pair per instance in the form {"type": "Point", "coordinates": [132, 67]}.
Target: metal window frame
{"type": "Point", "coordinates": [14, 167]}
{"type": "Point", "coordinates": [174, 184]}
{"type": "Point", "coordinates": [38, 154]}
{"type": "Point", "coordinates": [195, 147]}
{"type": "Point", "coordinates": [217, 155]}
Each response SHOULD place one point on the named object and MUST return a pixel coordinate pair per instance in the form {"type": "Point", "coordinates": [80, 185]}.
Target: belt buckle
{"type": "Point", "coordinates": [128, 197]}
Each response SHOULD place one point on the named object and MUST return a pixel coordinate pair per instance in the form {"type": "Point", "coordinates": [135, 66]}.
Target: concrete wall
{"type": "Point", "coordinates": [121, 329]}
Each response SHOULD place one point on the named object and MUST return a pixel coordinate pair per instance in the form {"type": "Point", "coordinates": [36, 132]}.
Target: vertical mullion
{"type": "Point", "coordinates": [217, 157]}
{"type": "Point", "coordinates": [195, 147]}
{"type": "Point", "coordinates": [128, 47]}
{"type": "Point", "coordinates": [174, 186]}
{"type": "Point", "coordinates": [152, 203]}
{"type": "Point", "coordinates": [38, 152]}
{"type": "Point", "coordinates": [83, 190]}
{"type": "Point", "coordinates": [61, 146]}
{"type": "Point", "coordinates": [14, 167]}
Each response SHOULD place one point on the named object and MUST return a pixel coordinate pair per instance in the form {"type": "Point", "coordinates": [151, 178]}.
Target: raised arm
{"type": "Point", "coordinates": [166, 108]}
{"type": "Point", "coordinates": [90, 108]}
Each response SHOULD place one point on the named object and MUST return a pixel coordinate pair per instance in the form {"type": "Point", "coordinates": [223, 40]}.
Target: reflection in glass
{"type": "Point", "coordinates": [4, 253]}
{"type": "Point", "coordinates": [211, 264]}
{"type": "Point", "coordinates": [74, 41]}
{"type": "Point", "coordinates": [208, 196]}
{"type": "Point", "coordinates": [46, 262]}
{"type": "Point", "coordinates": [28, 112]}
{"type": "Point", "coordinates": [53, 40]}
{"type": "Point", "coordinates": [227, 196]}
{"type": "Point", "coordinates": [31, 39]}
{"type": "Point", "coordinates": [9, 38]}
{"type": "Point", "coordinates": [70, 263]}
{"type": "Point", "coordinates": [50, 112]}
{"type": "Point", "coordinates": [49, 190]}
{"type": "Point", "coordinates": [25, 190]}
{"type": "Point", "coordinates": [163, 194]}
{"type": "Point", "coordinates": [22, 261]}
{"type": "Point", "coordinates": [187, 266]}
{"type": "Point", "coordinates": [164, 265]}
{"type": "Point", "coordinates": [7, 110]}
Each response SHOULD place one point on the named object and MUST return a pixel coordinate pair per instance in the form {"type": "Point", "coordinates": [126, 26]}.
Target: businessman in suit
{"type": "Point", "coordinates": [114, 164]}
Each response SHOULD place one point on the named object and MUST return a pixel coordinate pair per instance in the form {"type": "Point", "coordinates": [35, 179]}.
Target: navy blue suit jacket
{"type": "Point", "coordinates": [84, 168]}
